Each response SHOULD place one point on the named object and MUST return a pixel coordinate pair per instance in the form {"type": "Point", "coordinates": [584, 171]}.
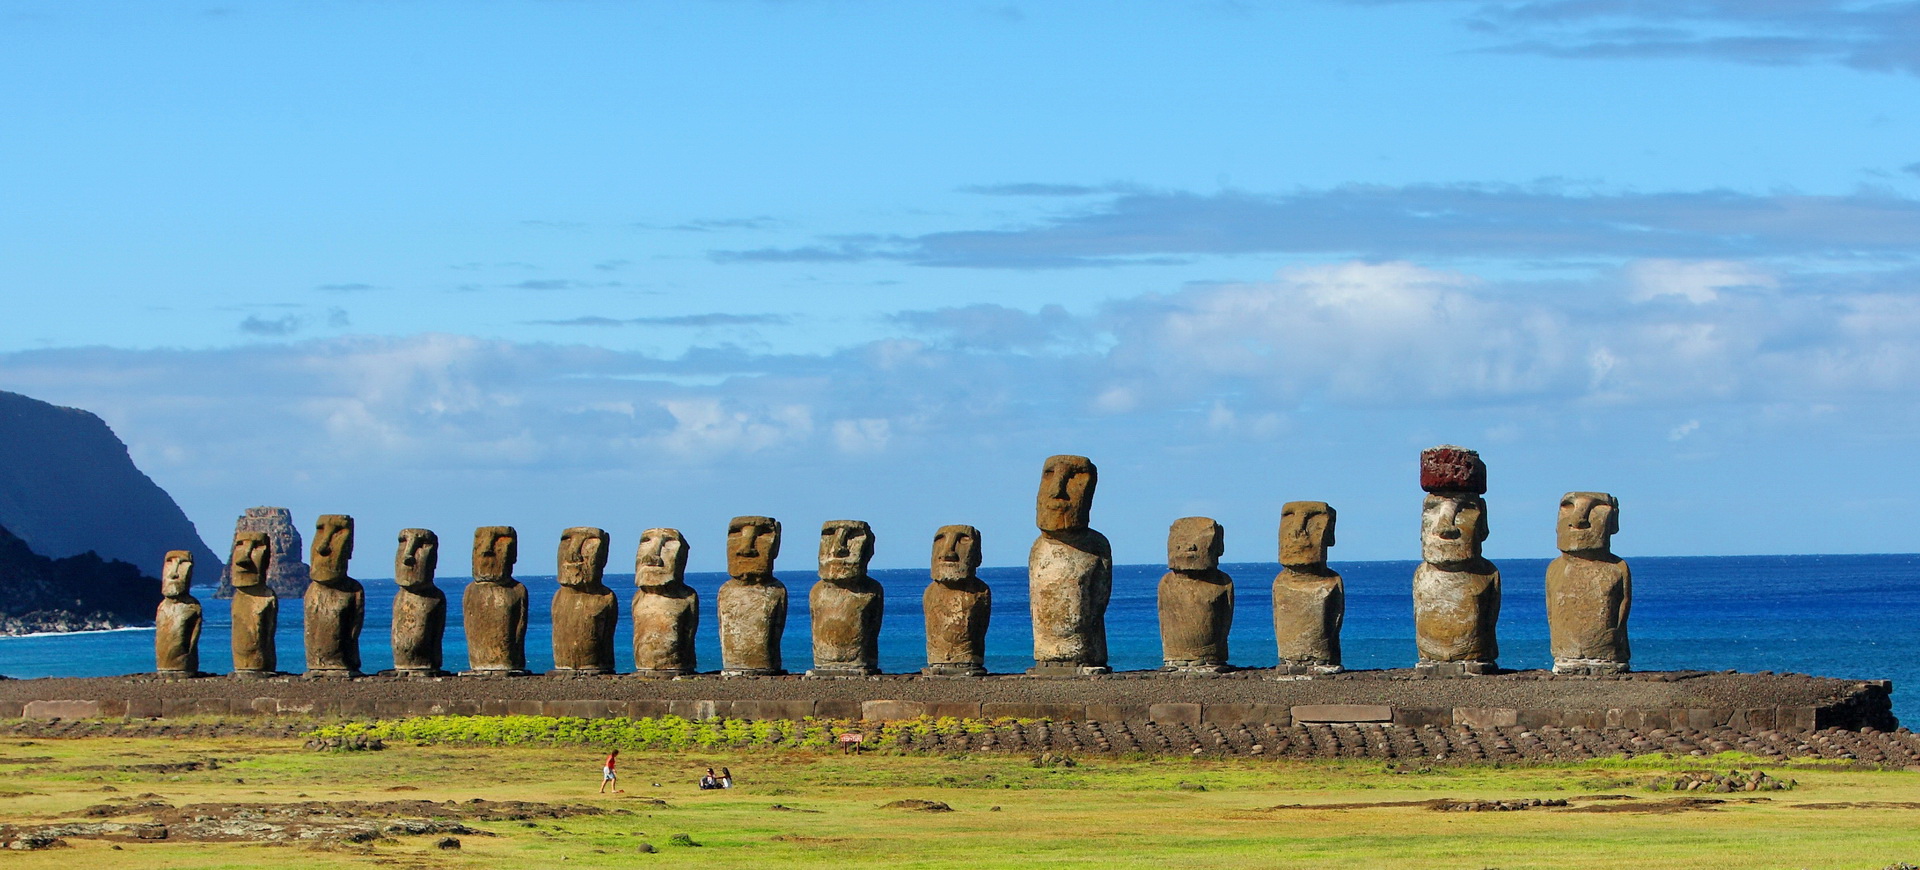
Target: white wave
{"type": "Point", "coordinates": [72, 633]}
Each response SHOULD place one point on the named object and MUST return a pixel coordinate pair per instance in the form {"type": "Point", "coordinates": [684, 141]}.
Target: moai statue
{"type": "Point", "coordinates": [585, 611]}
{"type": "Point", "coordinates": [1456, 592]}
{"type": "Point", "coordinates": [666, 611]}
{"type": "Point", "coordinates": [846, 603]}
{"type": "Point", "coordinates": [753, 603]}
{"type": "Point", "coordinates": [1589, 589]}
{"type": "Point", "coordinates": [336, 604]}
{"type": "Point", "coordinates": [255, 611]}
{"type": "Point", "coordinates": [1069, 573]}
{"type": "Point", "coordinates": [958, 605]}
{"type": "Point", "coordinates": [1196, 598]}
{"type": "Point", "coordinates": [1309, 599]}
{"type": "Point", "coordinates": [495, 605]}
{"type": "Point", "coordinates": [419, 607]}
{"type": "Point", "coordinates": [176, 624]}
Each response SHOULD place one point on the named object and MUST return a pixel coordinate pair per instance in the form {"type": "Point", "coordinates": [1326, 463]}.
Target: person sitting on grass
{"type": "Point", "coordinates": [709, 781]}
{"type": "Point", "coordinates": [726, 778]}
{"type": "Point", "coordinates": [608, 778]}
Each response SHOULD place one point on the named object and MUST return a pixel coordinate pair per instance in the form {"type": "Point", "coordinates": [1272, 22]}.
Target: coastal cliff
{"type": "Point", "coordinates": [75, 593]}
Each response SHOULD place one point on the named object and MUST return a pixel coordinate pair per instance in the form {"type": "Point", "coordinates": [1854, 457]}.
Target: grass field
{"type": "Point", "coordinates": [1007, 812]}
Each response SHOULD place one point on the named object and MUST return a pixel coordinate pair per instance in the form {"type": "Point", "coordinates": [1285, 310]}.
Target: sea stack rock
{"type": "Point", "coordinates": [1456, 592]}
{"type": "Point", "coordinates": [1196, 598]}
{"type": "Point", "coordinates": [666, 611]}
{"type": "Point", "coordinates": [289, 576]}
{"type": "Point", "coordinates": [1069, 573]}
{"type": "Point", "coordinates": [419, 607]}
{"type": "Point", "coordinates": [494, 606]}
{"type": "Point", "coordinates": [1589, 589]}
{"type": "Point", "coordinates": [753, 602]}
{"type": "Point", "coordinates": [845, 604]}
{"type": "Point", "coordinates": [254, 609]}
{"type": "Point", "coordinates": [336, 604]}
{"type": "Point", "coordinates": [1309, 599]}
{"type": "Point", "coordinates": [176, 624]}
{"type": "Point", "coordinates": [585, 611]}
{"type": "Point", "coordinates": [958, 605]}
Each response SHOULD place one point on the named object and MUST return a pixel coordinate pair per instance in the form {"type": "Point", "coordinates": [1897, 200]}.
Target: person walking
{"type": "Point", "coordinates": [609, 778]}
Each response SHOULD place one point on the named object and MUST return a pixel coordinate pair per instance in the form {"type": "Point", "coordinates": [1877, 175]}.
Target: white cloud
{"type": "Point", "coordinates": [1696, 281]}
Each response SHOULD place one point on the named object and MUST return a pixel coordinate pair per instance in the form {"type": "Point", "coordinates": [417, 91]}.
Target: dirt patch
{"type": "Point", "coordinates": [1860, 805]}
{"type": "Point", "coordinates": [1366, 806]}
{"type": "Point", "coordinates": [1670, 805]}
{"type": "Point", "coordinates": [918, 806]}
{"type": "Point", "coordinates": [316, 822]}
{"type": "Point", "coordinates": [1604, 797]}
{"type": "Point", "coordinates": [1448, 806]}
{"type": "Point", "coordinates": [807, 841]}
{"type": "Point", "coordinates": [783, 808]}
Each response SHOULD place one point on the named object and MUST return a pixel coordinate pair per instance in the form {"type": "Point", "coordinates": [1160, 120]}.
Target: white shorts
{"type": "Point", "coordinates": [606, 773]}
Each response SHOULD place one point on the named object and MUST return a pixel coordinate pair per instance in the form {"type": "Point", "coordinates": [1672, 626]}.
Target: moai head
{"type": "Point", "coordinates": [583, 556]}
{"type": "Point", "coordinates": [495, 549]}
{"type": "Point", "coordinates": [1588, 521]}
{"type": "Point", "coordinates": [252, 554]}
{"type": "Point", "coordinates": [956, 553]}
{"type": "Point", "coordinates": [176, 575]}
{"type": "Point", "coordinates": [1194, 544]}
{"type": "Point", "coordinates": [1451, 528]}
{"type": "Point", "coordinates": [752, 545]}
{"type": "Point", "coordinates": [1066, 493]}
{"type": "Point", "coordinates": [1306, 531]}
{"type": "Point", "coordinates": [417, 559]}
{"type": "Point", "coordinates": [662, 560]}
{"type": "Point", "coordinates": [332, 547]}
{"type": "Point", "coordinates": [845, 548]}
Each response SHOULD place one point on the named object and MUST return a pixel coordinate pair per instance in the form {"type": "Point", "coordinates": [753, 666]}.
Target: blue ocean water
{"type": "Point", "coordinates": [1844, 616]}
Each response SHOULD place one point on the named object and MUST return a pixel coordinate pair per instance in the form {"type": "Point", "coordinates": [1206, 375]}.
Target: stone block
{"type": "Point", "coordinates": [359, 708]}
{"type": "Point", "coordinates": [264, 706]}
{"type": "Point", "coordinates": [214, 707]}
{"type": "Point", "coordinates": [651, 708]}
{"type": "Point", "coordinates": [458, 708]}
{"type": "Point", "coordinates": [137, 708]}
{"type": "Point", "coordinates": [836, 709]}
{"type": "Point", "coordinates": [1486, 717]}
{"type": "Point", "coordinates": [13, 709]}
{"type": "Point", "coordinates": [62, 709]}
{"type": "Point", "coordinates": [954, 709]}
{"type": "Point", "coordinates": [1708, 717]}
{"type": "Point", "coordinates": [1795, 718]}
{"type": "Point", "coordinates": [1174, 712]}
{"type": "Point", "coordinates": [1452, 469]}
{"type": "Point", "coordinates": [176, 708]}
{"type": "Point", "coordinates": [1331, 713]}
{"type": "Point", "coordinates": [700, 709]}
{"type": "Point", "coordinates": [1415, 717]}
{"type": "Point", "coordinates": [113, 708]}
{"type": "Point", "coordinates": [494, 707]}
{"type": "Point", "coordinates": [523, 707]}
{"type": "Point", "coordinates": [294, 707]}
{"type": "Point", "coordinates": [1056, 712]}
{"type": "Point", "coordinates": [890, 711]}
{"type": "Point", "coordinates": [1760, 719]}
{"type": "Point", "coordinates": [1117, 713]}
{"type": "Point", "coordinates": [1247, 714]}
{"type": "Point", "coordinates": [764, 711]}
{"type": "Point", "coordinates": [393, 709]}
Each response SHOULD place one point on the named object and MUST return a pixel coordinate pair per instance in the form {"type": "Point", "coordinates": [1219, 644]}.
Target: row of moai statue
{"type": "Point", "coordinates": [1070, 575]}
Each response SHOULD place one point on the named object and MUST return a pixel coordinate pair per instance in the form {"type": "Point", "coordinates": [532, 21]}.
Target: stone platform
{"type": "Point", "coordinates": [1524, 699]}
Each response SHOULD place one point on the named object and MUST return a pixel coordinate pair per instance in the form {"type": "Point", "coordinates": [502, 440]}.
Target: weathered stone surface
{"type": "Point", "coordinates": [1456, 592]}
{"type": "Point", "coordinates": [585, 611]}
{"type": "Point", "coordinates": [176, 623]}
{"type": "Point", "coordinates": [753, 602]}
{"type": "Point", "coordinates": [1450, 469]}
{"type": "Point", "coordinates": [1069, 571]}
{"type": "Point", "coordinates": [957, 604]}
{"type": "Point", "coordinates": [846, 604]}
{"type": "Point", "coordinates": [1589, 589]}
{"type": "Point", "coordinates": [1486, 717]}
{"type": "Point", "coordinates": [666, 611]}
{"type": "Point", "coordinates": [254, 612]}
{"type": "Point", "coordinates": [336, 604]}
{"type": "Point", "coordinates": [419, 607]}
{"type": "Point", "coordinates": [1309, 599]}
{"type": "Point", "coordinates": [1196, 598]}
{"type": "Point", "coordinates": [1331, 713]}
{"type": "Point", "coordinates": [494, 606]}
{"type": "Point", "coordinates": [288, 576]}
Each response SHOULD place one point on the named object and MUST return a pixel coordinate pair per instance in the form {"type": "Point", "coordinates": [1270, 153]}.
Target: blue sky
{"type": "Point", "coordinates": [632, 264]}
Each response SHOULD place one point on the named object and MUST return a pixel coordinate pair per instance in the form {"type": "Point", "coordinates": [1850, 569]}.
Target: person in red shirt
{"type": "Point", "coordinates": [608, 778]}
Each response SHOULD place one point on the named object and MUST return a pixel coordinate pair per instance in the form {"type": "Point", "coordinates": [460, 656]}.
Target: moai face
{"type": "Point", "coordinates": [752, 545]}
{"type": "Point", "coordinates": [495, 549]}
{"type": "Point", "coordinates": [1588, 521]}
{"type": "Point", "coordinates": [845, 548]}
{"type": "Point", "coordinates": [956, 553]}
{"type": "Point", "coordinates": [662, 559]}
{"type": "Point", "coordinates": [1066, 493]}
{"type": "Point", "coordinates": [252, 552]}
{"type": "Point", "coordinates": [1306, 531]}
{"type": "Point", "coordinates": [1451, 528]}
{"type": "Point", "coordinates": [583, 556]}
{"type": "Point", "coordinates": [176, 576]}
{"type": "Point", "coordinates": [417, 559]}
{"type": "Point", "coordinates": [332, 547]}
{"type": "Point", "coordinates": [1195, 544]}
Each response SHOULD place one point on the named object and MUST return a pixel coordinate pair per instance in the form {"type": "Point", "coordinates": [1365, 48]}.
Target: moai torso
{"type": "Point", "coordinates": [176, 623]}
{"type": "Point", "coordinates": [419, 607]}
{"type": "Point", "coordinates": [753, 602]}
{"type": "Point", "coordinates": [846, 604]}
{"type": "Point", "coordinates": [585, 611]}
{"type": "Point", "coordinates": [1589, 589]}
{"type": "Point", "coordinates": [666, 611]}
{"type": "Point", "coordinates": [1309, 599]}
{"type": "Point", "coordinates": [1456, 592]}
{"type": "Point", "coordinates": [494, 606]}
{"type": "Point", "coordinates": [957, 604]}
{"type": "Point", "coordinates": [1196, 598]}
{"type": "Point", "coordinates": [255, 613]}
{"type": "Point", "coordinates": [336, 604]}
{"type": "Point", "coordinates": [1069, 572]}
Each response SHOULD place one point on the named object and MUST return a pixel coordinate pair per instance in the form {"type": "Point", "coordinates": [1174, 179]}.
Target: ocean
{"type": "Point", "coordinates": [1833, 615]}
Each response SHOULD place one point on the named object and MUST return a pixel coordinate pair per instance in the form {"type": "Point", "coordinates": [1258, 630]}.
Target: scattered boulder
{"type": "Point", "coordinates": [681, 840]}
{"type": "Point", "coordinates": [918, 806]}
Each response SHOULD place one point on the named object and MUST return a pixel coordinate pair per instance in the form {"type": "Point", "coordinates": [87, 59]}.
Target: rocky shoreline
{"type": "Point", "coordinates": [61, 622]}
